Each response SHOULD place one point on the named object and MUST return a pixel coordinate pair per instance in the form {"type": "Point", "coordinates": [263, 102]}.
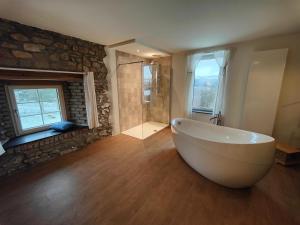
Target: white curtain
{"type": "Point", "coordinates": [90, 100]}
{"type": "Point", "coordinates": [192, 62]}
{"type": "Point", "coordinates": [222, 58]}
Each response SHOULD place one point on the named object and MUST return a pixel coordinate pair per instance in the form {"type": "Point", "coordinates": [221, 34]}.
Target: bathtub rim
{"type": "Point", "coordinates": [173, 125]}
{"type": "Point", "coordinates": [226, 156]}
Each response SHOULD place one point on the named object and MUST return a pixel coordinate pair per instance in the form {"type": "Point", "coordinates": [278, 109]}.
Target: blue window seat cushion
{"type": "Point", "coordinates": [62, 126]}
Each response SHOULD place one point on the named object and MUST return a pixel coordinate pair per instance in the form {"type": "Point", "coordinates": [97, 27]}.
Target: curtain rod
{"type": "Point", "coordinates": [37, 70]}
{"type": "Point", "coordinates": [130, 63]}
{"type": "Point", "coordinates": [209, 50]}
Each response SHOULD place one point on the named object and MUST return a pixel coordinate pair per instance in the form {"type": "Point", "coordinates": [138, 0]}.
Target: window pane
{"type": "Point", "coordinates": [52, 117]}
{"type": "Point", "coordinates": [206, 84]}
{"type": "Point", "coordinates": [147, 92]}
{"type": "Point", "coordinates": [27, 109]}
{"type": "Point", "coordinates": [206, 68]}
{"type": "Point", "coordinates": [48, 94]}
{"type": "Point", "coordinates": [50, 107]}
{"type": "Point", "coordinates": [26, 95]}
{"type": "Point", "coordinates": [28, 122]}
{"type": "Point", "coordinates": [37, 107]}
{"type": "Point", "coordinates": [147, 73]}
{"type": "Point", "coordinates": [147, 79]}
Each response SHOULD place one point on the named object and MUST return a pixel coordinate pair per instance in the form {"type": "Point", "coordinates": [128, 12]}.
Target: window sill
{"type": "Point", "coordinates": [202, 111]}
{"type": "Point", "coordinates": [37, 136]}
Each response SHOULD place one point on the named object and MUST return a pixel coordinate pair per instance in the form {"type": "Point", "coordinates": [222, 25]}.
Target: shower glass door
{"type": "Point", "coordinates": [155, 98]}
{"type": "Point", "coordinates": [143, 95]}
{"type": "Point", "coordinates": [129, 97]}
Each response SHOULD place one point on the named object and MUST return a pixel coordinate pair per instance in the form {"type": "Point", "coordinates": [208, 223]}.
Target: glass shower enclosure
{"type": "Point", "coordinates": [143, 94]}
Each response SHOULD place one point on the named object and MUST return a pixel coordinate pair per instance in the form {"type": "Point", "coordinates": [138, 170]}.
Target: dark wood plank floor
{"type": "Point", "coordinates": [122, 180]}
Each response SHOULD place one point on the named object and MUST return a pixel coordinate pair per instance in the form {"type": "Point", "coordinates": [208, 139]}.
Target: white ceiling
{"type": "Point", "coordinates": [170, 25]}
{"type": "Point", "coordinates": [141, 50]}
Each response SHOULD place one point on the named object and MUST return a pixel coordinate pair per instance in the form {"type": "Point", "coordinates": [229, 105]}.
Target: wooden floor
{"type": "Point", "coordinates": [122, 180]}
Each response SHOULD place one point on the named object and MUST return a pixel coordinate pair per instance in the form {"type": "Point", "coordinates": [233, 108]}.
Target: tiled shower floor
{"type": "Point", "coordinates": [145, 130]}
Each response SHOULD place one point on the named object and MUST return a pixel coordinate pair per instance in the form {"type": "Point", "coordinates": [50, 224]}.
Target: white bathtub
{"type": "Point", "coordinates": [230, 157]}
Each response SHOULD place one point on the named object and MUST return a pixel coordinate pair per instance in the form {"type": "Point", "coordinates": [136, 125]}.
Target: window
{"type": "Point", "coordinates": [206, 84]}
{"type": "Point", "coordinates": [147, 82]}
{"type": "Point", "coordinates": [36, 107]}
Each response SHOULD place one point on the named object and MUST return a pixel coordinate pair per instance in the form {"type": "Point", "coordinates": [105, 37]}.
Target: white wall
{"type": "Point", "coordinates": [178, 85]}
{"type": "Point", "coordinates": [287, 123]}
{"type": "Point", "coordinates": [110, 63]}
{"type": "Point", "coordinates": [263, 90]}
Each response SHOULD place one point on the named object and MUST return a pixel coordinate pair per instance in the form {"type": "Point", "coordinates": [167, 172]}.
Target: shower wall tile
{"type": "Point", "coordinates": [159, 108]}
{"type": "Point", "coordinates": [131, 111]}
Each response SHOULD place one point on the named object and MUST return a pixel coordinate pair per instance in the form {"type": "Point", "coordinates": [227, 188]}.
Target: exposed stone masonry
{"type": "Point", "coordinates": [23, 46]}
{"type": "Point", "coordinates": [75, 102]}
{"type": "Point", "coordinates": [31, 154]}
{"type": "Point", "coordinates": [6, 124]}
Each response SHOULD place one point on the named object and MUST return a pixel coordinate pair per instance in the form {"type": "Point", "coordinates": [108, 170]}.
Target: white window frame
{"type": "Point", "coordinates": [203, 110]}
{"type": "Point", "coordinates": [14, 110]}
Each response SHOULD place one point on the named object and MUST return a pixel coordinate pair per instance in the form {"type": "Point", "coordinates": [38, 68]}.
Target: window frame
{"type": "Point", "coordinates": [203, 110]}
{"type": "Point", "coordinates": [144, 100]}
{"type": "Point", "coordinates": [14, 110]}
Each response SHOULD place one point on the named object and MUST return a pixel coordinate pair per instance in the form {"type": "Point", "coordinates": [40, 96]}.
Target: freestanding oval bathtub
{"type": "Point", "coordinates": [231, 157]}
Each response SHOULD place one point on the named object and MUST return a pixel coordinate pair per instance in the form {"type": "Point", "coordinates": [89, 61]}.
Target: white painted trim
{"type": "Point", "coordinates": [36, 70]}
{"type": "Point", "coordinates": [111, 65]}
{"type": "Point", "coordinates": [2, 151]}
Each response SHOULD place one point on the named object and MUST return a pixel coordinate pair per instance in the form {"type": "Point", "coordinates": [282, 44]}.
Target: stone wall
{"type": "Point", "coordinates": [23, 46]}
{"type": "Point", "coordinates": [6, 124]}
{"type": "Point", "coordinates": [75, 102]}
{"type": "Point", "coordinates": [28, 47]}
{"type": "Point", "coordinates": [33, 153]}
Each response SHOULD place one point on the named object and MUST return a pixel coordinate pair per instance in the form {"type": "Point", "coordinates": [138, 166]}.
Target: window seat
{"type": "Point", "coordinates": [25, 139]}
